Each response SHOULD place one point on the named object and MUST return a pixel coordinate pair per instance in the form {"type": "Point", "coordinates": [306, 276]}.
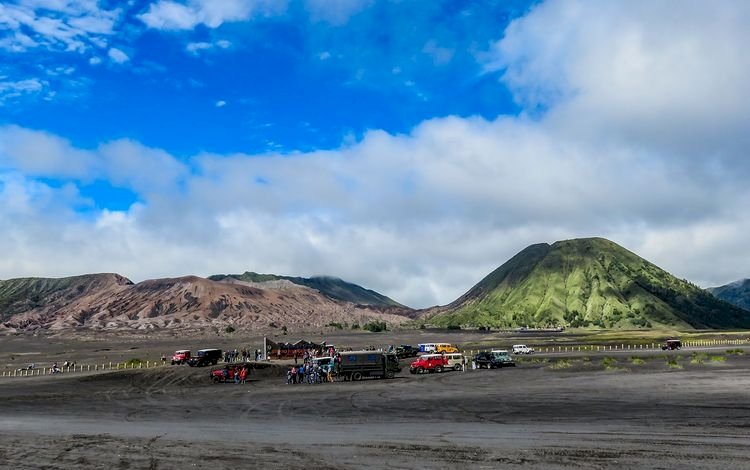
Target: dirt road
{"type": "Point", "coordinates": [645, 416]}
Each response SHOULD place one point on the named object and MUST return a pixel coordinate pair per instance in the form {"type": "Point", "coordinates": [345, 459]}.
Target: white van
{"type": "Point", "coordinates": [427, 347]}
{"type": "Point", "coordinates": [455, 360]}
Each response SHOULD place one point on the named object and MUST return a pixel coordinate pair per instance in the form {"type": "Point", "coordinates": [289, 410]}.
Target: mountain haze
{"type": "Point", "coordinates": [736, 293]}
{"type": "Point", "coordinates": [589, 282]}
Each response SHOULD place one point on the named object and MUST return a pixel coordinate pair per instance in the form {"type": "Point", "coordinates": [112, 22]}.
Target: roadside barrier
{"type": "Point", "coordinates": [39, 371]}
{"type": "Point", "coordinates": [627, 347]}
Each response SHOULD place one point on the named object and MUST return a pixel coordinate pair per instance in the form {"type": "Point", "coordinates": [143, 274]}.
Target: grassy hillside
{"type": "Point", "coordinates": [587, 283]}
{"type": "Point", "coordinates": [329, 286]}
{"type": "Point", "coordinates": [736, 293]}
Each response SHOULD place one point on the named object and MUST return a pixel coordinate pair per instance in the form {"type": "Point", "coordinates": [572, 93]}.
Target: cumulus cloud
{"type": "Point", "coordinates": [118, 56]}
{"type": "Point", "coordinates": [604, 147]}
{"type": "Point", "coordinates": [171, 15]}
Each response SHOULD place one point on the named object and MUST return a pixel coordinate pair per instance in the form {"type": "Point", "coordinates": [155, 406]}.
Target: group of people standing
{"type": "Point", "coordinates": [244, 355]}
{"type": "Point", "coordinates": [312, 372]}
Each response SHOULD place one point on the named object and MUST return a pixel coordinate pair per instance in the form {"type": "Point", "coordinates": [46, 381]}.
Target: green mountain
{"type": "Point", "coordinates": [589, 282]}
{"type": "Point", "coordinates": [736, 293]}
{"type": "Point", "coordinates": [331, 287]}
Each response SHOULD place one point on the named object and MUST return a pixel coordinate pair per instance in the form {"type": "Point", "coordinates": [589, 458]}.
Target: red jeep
{"type": "Point", "coordinates": [432, 363]}
{"type": "Point", "coordinates": [228, 372]}
{"type": "Point", "coordinates": [181, 356]}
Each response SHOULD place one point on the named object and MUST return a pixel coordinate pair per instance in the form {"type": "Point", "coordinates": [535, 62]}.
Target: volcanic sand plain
{"type": "Point", "coordinates": [686, 409]}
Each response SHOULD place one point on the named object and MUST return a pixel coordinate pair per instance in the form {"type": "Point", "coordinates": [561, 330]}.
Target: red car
{"type": "Point", "coordinates": [431, 363]}
{"type": "Point", "coordinates": [227, 373]}
{"type": "Point", "coordinates": [181, 356]}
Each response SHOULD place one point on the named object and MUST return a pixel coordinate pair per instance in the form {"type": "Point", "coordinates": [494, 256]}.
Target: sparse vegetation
{"type": "Point", "coordinates": [134, 362]}
{"type": "Point", "coordinates": [609, 363]}
{"type": "Point", "coordinates": [561, 364]}
{"type": "Point", "coordinates": [336, 325]}
{"type": "Point", "coordinates": [698, 358]}
{"type": "Point", "coordinates": [375, 326]}
{"type": "Point", "coordinates": [735, 352]}
{"type": "Point", "coordinates": [673, 364]}
{"type": "Point", "coordinates": [718, 359]}
{"type": "Point", "coordinates": [637, 361]}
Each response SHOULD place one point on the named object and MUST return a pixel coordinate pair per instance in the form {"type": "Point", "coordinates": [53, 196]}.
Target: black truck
{"type": "Point", "coordinates": [205, 357]}
{"type": "Point", "coordinates": [358, 364]}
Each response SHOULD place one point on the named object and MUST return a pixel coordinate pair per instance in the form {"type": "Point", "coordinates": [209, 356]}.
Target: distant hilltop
{"type": "Point", "coordinates": [113, 302]}
{"type": "Point", "coordinates": [590, 282]}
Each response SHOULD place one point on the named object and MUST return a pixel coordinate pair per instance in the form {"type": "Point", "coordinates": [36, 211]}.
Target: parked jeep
{"type": "Point", "coordinates": [205, 357]}
{"type": "Point", "coordinates": [494, 359]}
{"type": "Point", "coordinates": [522, 349]}
{"type": "Point", "coordinates": [671, 344]}
{"type": "Point", "coordinates": [430, 363]}
{"type": "Point", "coordinates": [406, 350]}
{"type": "Point", "coordinates": [228, 372]}
{"type": "Point", "coordinates": [180, 356]}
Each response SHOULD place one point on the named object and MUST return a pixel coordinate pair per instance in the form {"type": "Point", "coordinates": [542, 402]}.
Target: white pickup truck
{"type": "Point", "coordinates": [522, 349]}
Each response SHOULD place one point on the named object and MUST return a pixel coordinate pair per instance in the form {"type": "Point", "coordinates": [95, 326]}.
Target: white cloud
{"type": "Point", "coordinates": [117, 56]}
{"type": "Point", "coordinates": [171, 15]}
{"type": "Point", "coordinates": [68, 25]}
{"type": "Point", "coordinates": [196, 47]}
{"type": "Point", "coordinates": [15, 89]}
{"type": "Point", "coordinates": [221, 103]}
{"type": "Point", "coordinates": [614, 152]}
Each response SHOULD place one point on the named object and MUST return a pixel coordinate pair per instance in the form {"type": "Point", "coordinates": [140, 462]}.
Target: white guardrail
{"type": "Point", "coordinates": [39, 371]}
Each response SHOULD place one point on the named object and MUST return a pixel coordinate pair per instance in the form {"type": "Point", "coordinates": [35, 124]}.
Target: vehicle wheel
{"type": "Point", "coordinates": [457, 367]}
{"type": "Point", "coordinates": [389, 374]}
{"type": "Point", "coordinates": [438, 369]}
{"type": "Point", "coordinates": [356, 376]}
{"type": "Point", "coordinates": [217, 380]}
{"type": "Point", "coordinates": [420, 370]}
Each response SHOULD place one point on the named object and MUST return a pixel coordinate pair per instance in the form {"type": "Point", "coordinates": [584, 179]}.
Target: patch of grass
{"type": "Point", "coordinates": [586, 359]}
{"type": "Point", "coordinates": [698, 358]}
{"type": "Point", "coordinates": [609, 363]}
{"type": "Point", "coordinates": [673, 364]}
{"type": "Point", "coordinates": [637, 361]}
{"type": "Point", "coordinates": [736, 352]}
{"type": "Point", "coordinates": [560, 364]}
{"type": "Point", "coordinates": [135, 362]}
{"type": "Point", "coordinates": [718, 358]}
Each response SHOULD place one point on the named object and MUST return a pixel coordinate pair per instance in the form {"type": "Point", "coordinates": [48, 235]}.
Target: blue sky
{"type": "Point", "coordinates": [409, 146]}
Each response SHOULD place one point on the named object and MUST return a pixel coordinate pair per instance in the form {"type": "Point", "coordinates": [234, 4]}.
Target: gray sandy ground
{"type": "Point", "coordinates": [648, 416]}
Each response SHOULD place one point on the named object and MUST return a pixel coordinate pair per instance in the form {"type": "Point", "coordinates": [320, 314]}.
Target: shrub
{"type": "Point", "coordinates": [135, 362]}
{"type": "Point", "coordinates": [229, 329]}
{"type": "Point", "coordinates": [375, 326]}
{"type": "Point", "coordinates": [698, 358]}
{"type": "Point", "coordinates": [637, 361]}
{"type": "Point", "coordinates": [561, 364]}
{"type": "Point", "coordinates": [355, 326]}
{"type": "Point", "coordinates": [735, 352]}
{"type": "Point", "coordinates": [454, 327]}
{"type": "Point", "coordinates": [336, 325]}
{"type": "Point", "coordinates": [673, 364]}
{"type": "Point", "coordinates": [609, 362]}
{"type": "Point", "coordinates": [718, 358]}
